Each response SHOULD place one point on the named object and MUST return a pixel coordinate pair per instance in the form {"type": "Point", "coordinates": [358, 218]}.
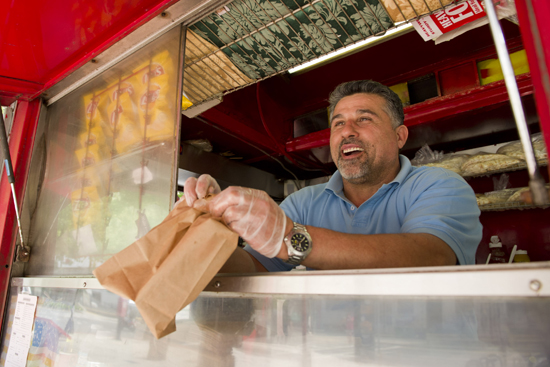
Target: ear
{"type": "Point", "coordinates": [402, 134]}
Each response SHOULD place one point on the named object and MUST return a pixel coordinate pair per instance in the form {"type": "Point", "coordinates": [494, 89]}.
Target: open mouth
{"type": "Point", "coordinates": [352, 152]}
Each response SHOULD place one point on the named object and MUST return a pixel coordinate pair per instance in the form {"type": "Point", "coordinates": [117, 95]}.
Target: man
{"type": "Point", "coordinates": [376, 211]}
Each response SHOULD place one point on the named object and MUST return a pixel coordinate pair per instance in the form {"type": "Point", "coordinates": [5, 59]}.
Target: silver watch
{"type": "Point", "coordinates": [298, 242]}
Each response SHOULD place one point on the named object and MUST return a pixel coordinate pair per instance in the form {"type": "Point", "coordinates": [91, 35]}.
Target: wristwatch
{"type": "Point", "coordinates": [298, 242]}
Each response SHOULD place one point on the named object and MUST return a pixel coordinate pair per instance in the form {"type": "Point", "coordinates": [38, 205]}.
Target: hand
{"type": "Point", "coordinates": [197, 189]}
{"type": "Point", "coordinates": [254, 216]}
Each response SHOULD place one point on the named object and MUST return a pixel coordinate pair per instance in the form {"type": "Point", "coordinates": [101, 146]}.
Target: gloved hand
{"type": "Point", "coordinates": [197, 189]}
{"type": "Point", "coordinates": [254, 216]}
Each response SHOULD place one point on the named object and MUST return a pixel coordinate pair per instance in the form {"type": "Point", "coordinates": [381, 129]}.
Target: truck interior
{"type": "Point", "coordinates": [241, 101]}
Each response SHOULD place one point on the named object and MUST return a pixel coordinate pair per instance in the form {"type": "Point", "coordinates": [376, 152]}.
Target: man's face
{"type": "Point", "coordinates": [363, 143]}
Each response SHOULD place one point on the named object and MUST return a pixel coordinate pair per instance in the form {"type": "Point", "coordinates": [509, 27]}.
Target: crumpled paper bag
{"type": "Point", "coordinates": [166, 269]}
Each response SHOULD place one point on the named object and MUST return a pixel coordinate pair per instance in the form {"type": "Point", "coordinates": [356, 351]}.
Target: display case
{"type": "Point", "coordinates": [455, 316]}
{"type": "Point", "coordinates": [211, 87]}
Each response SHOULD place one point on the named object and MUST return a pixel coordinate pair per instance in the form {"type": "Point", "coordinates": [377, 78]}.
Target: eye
{"type": "Point", "coordinates": [337, 123]}
{"type": "Point", "coordinates": [363, 118]}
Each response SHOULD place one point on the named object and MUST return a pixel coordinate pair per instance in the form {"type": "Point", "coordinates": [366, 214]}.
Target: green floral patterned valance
{"type": "Point", "coordinates": [265, 37]}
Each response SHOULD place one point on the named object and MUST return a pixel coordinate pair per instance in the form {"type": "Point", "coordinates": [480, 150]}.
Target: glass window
{"type": "Point", "coordinates": [110, 166]}
{"type": "Point", "coordinates": [95, 328]}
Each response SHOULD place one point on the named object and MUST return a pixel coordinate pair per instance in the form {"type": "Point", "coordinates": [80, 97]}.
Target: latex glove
{"type": "Point", "coordinates": [197, 189]}
{"type": "Point", "coordinates": [254, 216]}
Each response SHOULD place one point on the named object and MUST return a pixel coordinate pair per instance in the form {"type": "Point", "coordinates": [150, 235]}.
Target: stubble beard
{"type": "Point", "coordinates": [357, 171]}
{"type": "Point", "coordinates": [354, 171]}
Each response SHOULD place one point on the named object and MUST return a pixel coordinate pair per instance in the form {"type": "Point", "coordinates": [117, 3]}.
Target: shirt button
{"type": "Point", "coordinates": [352, 207]}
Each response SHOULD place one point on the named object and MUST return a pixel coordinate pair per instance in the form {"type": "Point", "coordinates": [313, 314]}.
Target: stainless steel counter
{"type": "Point", "coordinates": [453, 316]}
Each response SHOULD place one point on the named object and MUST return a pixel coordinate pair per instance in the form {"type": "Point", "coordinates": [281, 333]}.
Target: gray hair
{"type": "Point", "coordinates": [393, 107]}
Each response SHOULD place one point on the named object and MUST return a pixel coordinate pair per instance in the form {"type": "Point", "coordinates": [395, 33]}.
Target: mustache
{"type": "Point", "coordinates": [352, 141]}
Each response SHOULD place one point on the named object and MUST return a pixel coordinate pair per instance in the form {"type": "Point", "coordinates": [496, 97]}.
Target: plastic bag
{"type": "Point", "coordinates": [515, 148]}
{"type": "Point", "coordinates": [539, 146]}
{"type": "Point", "coordinates": [482, 199]}
{"type": "Point", "coordinates": [203, 144]}
{"type": "Point", "coordinates": [516, 196]}
{"type": "Point", "coordinates": [452, 162]}
{"type": "Point", "coordinates": [501, 183]}
{"type": "Point", "coordinates": [426, 155]}
{"type": "Point", "coordinates": [483, 162]}
{"type": "Point", "coordinates": [500, 196]}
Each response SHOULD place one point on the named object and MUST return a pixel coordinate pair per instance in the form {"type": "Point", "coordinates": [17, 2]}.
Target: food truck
{"type": "Point", "coordinates": [110, 107]}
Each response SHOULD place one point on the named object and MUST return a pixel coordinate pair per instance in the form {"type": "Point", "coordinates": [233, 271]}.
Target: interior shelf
{"type": "Point", "coordinates": [432, 110]}
{"type": "Point", "coordinates": [510, 206]}
{"type": "Point", "coordinates": [516, 167]}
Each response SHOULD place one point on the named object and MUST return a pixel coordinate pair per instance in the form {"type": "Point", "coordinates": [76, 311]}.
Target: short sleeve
{"type": "Point", "coordinates": [444, 205]}
{"type": "Point", "coordinates": [271, 264]}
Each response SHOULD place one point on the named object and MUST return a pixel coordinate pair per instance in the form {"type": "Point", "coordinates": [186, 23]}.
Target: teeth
{"type": "Point", "coordinates": [354, 149]}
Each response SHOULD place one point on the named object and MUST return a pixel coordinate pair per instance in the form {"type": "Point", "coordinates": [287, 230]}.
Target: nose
{"type": "Point", "coordinates": [349, 130]}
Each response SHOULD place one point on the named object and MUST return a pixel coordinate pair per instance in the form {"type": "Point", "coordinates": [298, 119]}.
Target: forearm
{"type": "Point", "coordinates": [241, 262]}
{"type": "Point", "coordinates": [336, 250]}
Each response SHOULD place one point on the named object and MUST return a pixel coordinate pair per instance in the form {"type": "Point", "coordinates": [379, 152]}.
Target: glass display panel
{"type": "Point", "coordinates": [109, 172]}
{"type": "Point", "coordinates": [89, 327]}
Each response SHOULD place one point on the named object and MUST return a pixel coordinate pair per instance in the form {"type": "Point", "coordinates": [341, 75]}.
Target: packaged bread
{"type": "Point", "coordinates": [88, 177]}
{"type": "Point", "coordinates": [86, 205]}
{"type": "Point", "coordinates": [123, 117]}
{"type": "Point", "coordinates": [452, 162]}
{"type": "Point", "coordinates": [515, 148]}
{"type": "Point", "coordinates": [500, 196]}
{"type": "Point", "coordinates": [482, 200]}
{"type": "Point", "coordinates": [155, 89]}
{"type": "Point", "coordinates": [92, 103]}
{"type": "Point", "coordinates": [486, 162]}
{"type": "Point", "coordinates": [92, 136]}
{"type": "Point", "coordinates": [516, 196]}
{"type": "Point", "coordinates": [494, 197]}
{"type": "Point", "coordinates": [88, 156]}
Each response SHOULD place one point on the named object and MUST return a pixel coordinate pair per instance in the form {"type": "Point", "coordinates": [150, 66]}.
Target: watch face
{"type": "Point", "coordinates": [300, 242]}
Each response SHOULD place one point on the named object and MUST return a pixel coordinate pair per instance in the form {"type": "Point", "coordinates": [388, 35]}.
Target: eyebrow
{"type": "Point", "coordinates": [370, 112]}
{"type": "Point", "coordinates": [360, 112]}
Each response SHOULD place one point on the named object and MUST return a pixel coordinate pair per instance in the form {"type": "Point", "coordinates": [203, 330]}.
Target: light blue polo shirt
{"type": "Point", "coordinates": [419, 200]}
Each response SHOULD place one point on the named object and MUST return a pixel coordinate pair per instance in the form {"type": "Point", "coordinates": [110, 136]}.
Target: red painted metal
{"type": "Point", "coordinates": [527, 229]}
{"type": "Point", "coordinates": [432, 110]}
{"type": "Point", "coordinates": [42, 42]}
{"type": "Point", "coordinates": [13, 89]}
{"type": "Point", "coordinates": [21, 145]}
{"type": "Point", "coordinates": [437, 108]}
{"type": "Point", "coordinates": [313, 140]}
{"type": "Point", "coordinates": [458, 79]}
{"type": "Point", "coordinates": [227, 121]}
{"type": "Point", "coordinates": [534, 16]}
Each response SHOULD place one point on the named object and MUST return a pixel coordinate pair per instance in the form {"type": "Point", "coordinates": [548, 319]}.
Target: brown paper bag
{"type": "Point", "coordinates": [166, 269]}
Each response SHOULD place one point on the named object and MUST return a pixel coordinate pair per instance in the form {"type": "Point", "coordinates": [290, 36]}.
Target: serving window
{"type": "Point", "coordinates": [109, 172]}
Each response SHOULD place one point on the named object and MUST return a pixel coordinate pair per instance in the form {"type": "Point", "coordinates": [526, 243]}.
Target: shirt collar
{"type": "Point", "coordinates": [406, 168]}
{"type": "Point", "coordinates": [336, 185]}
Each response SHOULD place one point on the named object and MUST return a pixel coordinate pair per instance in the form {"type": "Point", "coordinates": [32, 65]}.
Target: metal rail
{"type": "Point", "coordinates": [522, 280]}
{"type": "Point", "coordinates": [536, 182]}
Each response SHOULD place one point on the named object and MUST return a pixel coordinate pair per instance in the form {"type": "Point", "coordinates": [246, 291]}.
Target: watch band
{"type": "Point", "coordinates": [296, 258]}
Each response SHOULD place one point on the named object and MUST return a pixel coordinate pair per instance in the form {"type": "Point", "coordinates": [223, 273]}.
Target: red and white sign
{"type": "Point", "coordinates": [443, 21]}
